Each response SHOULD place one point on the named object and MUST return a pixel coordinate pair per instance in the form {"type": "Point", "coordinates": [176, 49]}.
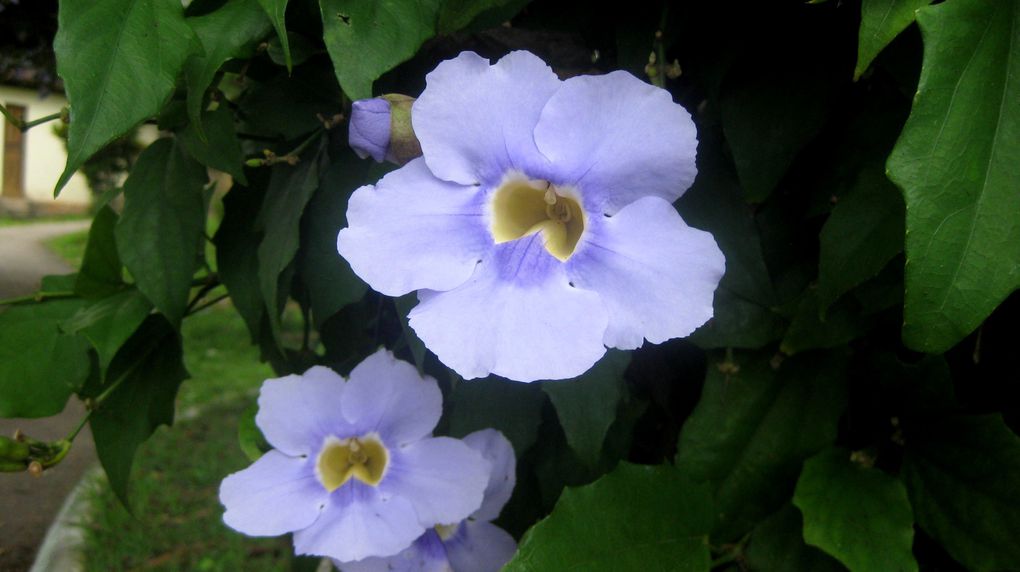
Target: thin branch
{"type": "Point", "coordinates": [30, 124]}
{"type": "Point", "coordinates": [212, 302]}
{"type": "Point", "coordinates": [26, 125]}
{"type": "Point", "coordinates": [291, 158]}
{"type": "Point", "coordinates": [37, 297]}
{"type": "Point", "coordinates": [10, 117]}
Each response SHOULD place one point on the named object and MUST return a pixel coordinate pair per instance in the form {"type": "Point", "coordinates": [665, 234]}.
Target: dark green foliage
{"type": "Point", "coordinates": [868, 525]}
{"type": "Point", "coordinates": [755, 425]}
{"type": "Point", "coordinates": [618, 523]}
{"type": "Point", "coordinates": [40, 366]}
{"type": "Point", "coordinates": [137, 397]}
{"type": "Point", "coordinates": [777, 545]}
{"type": "Point", "coordinates": [798, 429]}
{"type": "Point", "coordinates": [954, 162]}
{"type": "Point", "coordinates": [960, 472]}
{"type": "Point", "coordinates": [160, 230]}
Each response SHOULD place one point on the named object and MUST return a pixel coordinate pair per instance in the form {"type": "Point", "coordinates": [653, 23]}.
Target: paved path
{"type": "Point", "coordinates": [28, 505]}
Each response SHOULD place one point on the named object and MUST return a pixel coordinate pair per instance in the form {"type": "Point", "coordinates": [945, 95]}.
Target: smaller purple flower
{"type": "Point", "coordinates": [354, 472]}
{"type": "Point", "coordinates": [471, 545]}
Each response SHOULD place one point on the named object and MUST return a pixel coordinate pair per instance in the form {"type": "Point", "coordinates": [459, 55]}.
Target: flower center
{"type": "Point", "coordinates": [364, 458]}
{"type": "Point", "coordinates": [446, 531]}
{"type": "Point", "coordinates": [522, 207]}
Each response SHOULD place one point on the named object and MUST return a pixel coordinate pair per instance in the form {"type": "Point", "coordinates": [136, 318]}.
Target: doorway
{"type": "Point", "coordinates": [14, 155]}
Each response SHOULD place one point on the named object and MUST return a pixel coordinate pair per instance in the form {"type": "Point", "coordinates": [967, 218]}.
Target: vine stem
{"type": "Point", "coordinates": [81, 425]}
{"type": "Point", "coordinates": [26, 125]}
{"type": "Point", "coordinates": [98, 401]}
{"type": "Point", "coordinates": [212, 302]}
{"type": "Point", "coordinates": [37, 297]}
{"type": "Point", "coordinates": [731, 552]}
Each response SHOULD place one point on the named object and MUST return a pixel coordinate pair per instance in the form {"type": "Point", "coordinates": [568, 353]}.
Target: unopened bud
{"type": "Point", "coordinates": [381, 128]}
{"type": "Point", "coordinates": [13, 449]}
{"type": "Point", "coordinates": [35, 469]}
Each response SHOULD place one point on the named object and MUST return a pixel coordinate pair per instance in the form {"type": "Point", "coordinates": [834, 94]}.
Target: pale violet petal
{"type": "Point", "coordinates": [389, 396]}
{"type": "Point", "coordinates": [442, 477]}
{"type": "Point", "coordinates": [480, 546]}
{"type": "Point", "coordinates": [618, 139]}
{"type": "Point", "coordinates": [369, 129]}
{"type": "Point", "coordinates": [426, 554]}
{"type": "Point", "coordinates": [497, 450]}
{"type": "Point", "coordinates": [412, 231]}
{"type": "Point", "coordinates": [517, 317]}
{"type": "Point", "coordinates": [360, 522]}
{"type": "Point", "coordinates": [656, 275]}
{"type": "Point", "coordinates": [275, 495]}
{"type": "Point", "coordinates": [297, 411]}
{"type": "Point", "coordinates": [475, 121]}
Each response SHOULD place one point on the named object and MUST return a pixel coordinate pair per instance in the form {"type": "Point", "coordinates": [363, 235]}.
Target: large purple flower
{"type": "Point", "coordinates": [538, 226]}
{"type": "Point", "coordinates": [354, 471]}
{"type": "Point", "coordinates": [471, 545]}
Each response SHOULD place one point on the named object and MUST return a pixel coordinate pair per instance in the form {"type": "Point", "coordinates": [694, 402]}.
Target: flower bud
{"type": "Point", "coordinates": [381, 128]}
{"type": "Point", "coordinates": [13, 450]}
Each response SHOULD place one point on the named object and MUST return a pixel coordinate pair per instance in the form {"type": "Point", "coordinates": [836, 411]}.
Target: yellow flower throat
{"type": "Point", "coordinates": [364, 458]}
{"type": "Point", "coordinates": [522, 207]}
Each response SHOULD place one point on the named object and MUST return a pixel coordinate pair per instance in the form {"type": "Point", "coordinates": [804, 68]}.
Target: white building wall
{"type": "Point", "coordinates": [45, 153]}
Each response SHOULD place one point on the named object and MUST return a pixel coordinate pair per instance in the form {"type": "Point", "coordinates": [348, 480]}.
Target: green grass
{"type": "Point", "coordinates": [178, 519]}
{"type": "Point", "coordinates": [9, 221]}
{"type": "Point", "coordinates": [177, 522]}
{"type": "Point", "coordinates": [70, 247]}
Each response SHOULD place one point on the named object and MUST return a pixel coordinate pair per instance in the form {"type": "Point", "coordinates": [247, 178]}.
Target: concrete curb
{"type": "Point", "coordinates": [61, 547]}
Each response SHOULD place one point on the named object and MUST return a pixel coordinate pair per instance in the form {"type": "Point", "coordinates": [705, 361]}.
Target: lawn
{"type": "Point", "coordinates": [11, 221]}
{"type": "Point", "coordinates": [177, 516]}
{"type": "Point", "coordinates": [70, 247]}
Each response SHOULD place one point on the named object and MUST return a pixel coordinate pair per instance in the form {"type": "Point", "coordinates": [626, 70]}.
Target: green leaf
{"type": "Point", "coordinates": [635, 518]}
{"type": "Point", "coordinates": [863, 233]}
{"type": "Point", "coordinates": [813, 328]}
{"type": "Point", "coordinates": [331, 282]}
{"type": "Point", "coordinates": [456, 15]}
{"type": "Point", "coordinates": [249, 436]}
{"type": "Point", "coordinates": [777, 545]}
{"type": "Point", "coordinates": [160, 230]}
{"type": "Point", "coordinates": [108, 323]}
{"type": "Point", "coordinates": [148, 371]}
{"type": "Point", "coordinates": [289, 191]}
{"type": "Point", "coordinates": [956, 163]}
{"type": "Point", "coordinates": [231, 31]}
{"type": "Point", "coordinates": [367, 39]}
{"type": "Point", "coordinates": [39, 366]}
{"type": "Point", "coordinates": [961, 474]}
{"type": "Point", "coordinates": [217, 146]}
{"type": "Point", "coordinates": [515, 409]}
{"type": "Point", "coordinates": [58, 283]}
{"type": "Point", "coordinates": [288, 107]}
{"type": "Point", "coordinates": [119, 60]}
{"type": "Point", "coordinates": [881, 22]}
{"type": "Point", "coordinates": [745, 297]}
{"type": "Point", "coordinates": [752, 429]}
{"type": "Point", "coordinates": [857, 514]}
{"type": "Point", "coordinates": [101, 271]}
{"type": "Point", "coordinates": [277, 12]}
{"type": "Point", "coordinates": [769, 113]}
{"type": "Point", "coordinates": [586, 405]}
{"type": "Point", "coordinates": [404, 304]}
{"type": "Point", "coordinates": [300, 50]}
{"type": "Point", "coordinates": [237, 260]}
{"type": "Point", "coordinates": [908, 391]}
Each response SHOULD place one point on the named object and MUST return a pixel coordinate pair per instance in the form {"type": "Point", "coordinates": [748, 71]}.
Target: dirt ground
{"type": "Point", "coordinates": [28, 504]}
